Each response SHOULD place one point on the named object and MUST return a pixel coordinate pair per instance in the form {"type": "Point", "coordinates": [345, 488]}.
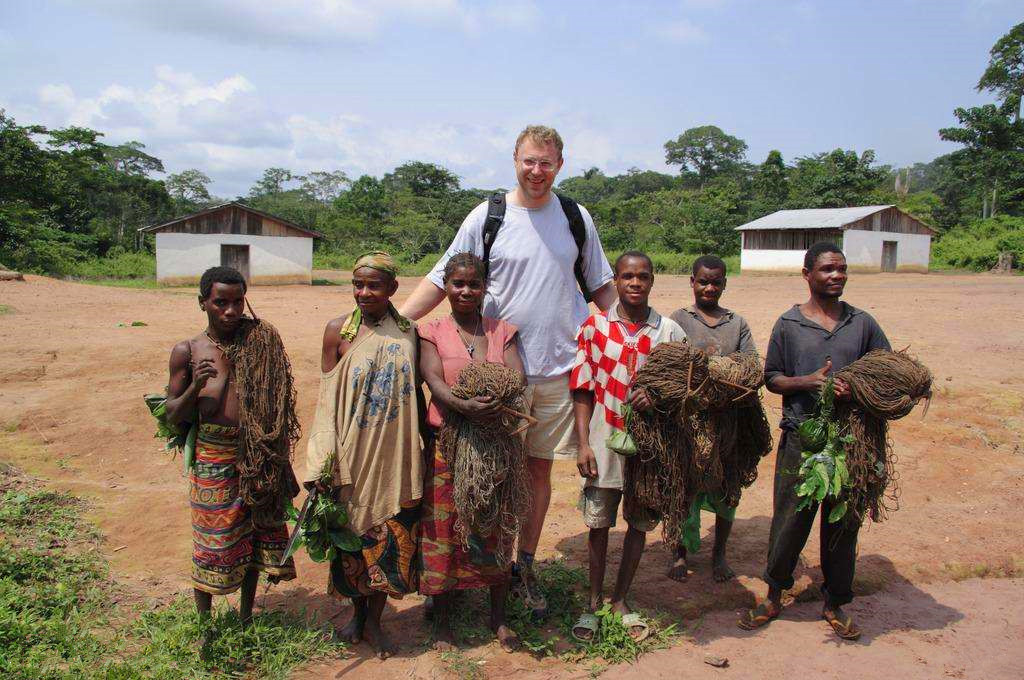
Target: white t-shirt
{"type": "Point", "coordinates": [532, 284]}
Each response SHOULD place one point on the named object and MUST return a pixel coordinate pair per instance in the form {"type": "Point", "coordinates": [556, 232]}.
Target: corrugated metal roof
{"type": "Point", "coordinates": [214, 208]}
{"type": "Point", "coordinates": [813, 218]}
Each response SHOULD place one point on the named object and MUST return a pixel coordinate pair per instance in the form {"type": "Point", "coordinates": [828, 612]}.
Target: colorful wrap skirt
{"type": "Point", "coordinates": [447, 563]}
{"type": "Point", "coordinates": [226, 544]}
{"type": "Point", "coordinates": [388, 562]}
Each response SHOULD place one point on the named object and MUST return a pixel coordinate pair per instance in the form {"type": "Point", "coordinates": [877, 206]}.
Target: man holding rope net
{"type": "Point", "coordinates": [718, 332]}
{"type": "Point", "coordinates": [807, 343]}
{"type": "Point", "coordinates": [542, 265]}
{"type": "Point", "coordinates": [612, 345]}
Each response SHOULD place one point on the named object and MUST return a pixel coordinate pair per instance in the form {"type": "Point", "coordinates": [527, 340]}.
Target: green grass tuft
{"type": "Point", "coordinates": [562, 586]}
{"type": "Point", "coordinates": [59, 619]}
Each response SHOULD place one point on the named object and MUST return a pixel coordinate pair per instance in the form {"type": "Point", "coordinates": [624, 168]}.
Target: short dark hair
{"type": "Point", "coordinates": [708, 262]}
{"type": "Point", "coordinates": [464, 260]}
{"type": "Point", "coordinates": [228, 275]}
{"type": "Point", "coordinates": [817, 250]}
{"type": "Point", "coordinates": [633, 253]}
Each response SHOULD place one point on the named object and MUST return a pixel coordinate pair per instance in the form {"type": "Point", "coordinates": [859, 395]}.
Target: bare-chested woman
{"type": "Point", "coordinates": [229, 550]}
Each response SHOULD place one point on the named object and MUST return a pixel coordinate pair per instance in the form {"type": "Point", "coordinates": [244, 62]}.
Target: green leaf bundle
{"type": "Point", "coordinates": [823, 471]}
{"type": "Point", "coordinates": [324, 530]}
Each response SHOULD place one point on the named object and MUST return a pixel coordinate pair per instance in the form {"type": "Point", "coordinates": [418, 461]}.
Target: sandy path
{"type": "Point", "coordinates": [71, 382]}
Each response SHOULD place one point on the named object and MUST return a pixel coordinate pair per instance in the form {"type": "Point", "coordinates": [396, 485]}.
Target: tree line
{"type": "Point", "coordinates": [67, 197]}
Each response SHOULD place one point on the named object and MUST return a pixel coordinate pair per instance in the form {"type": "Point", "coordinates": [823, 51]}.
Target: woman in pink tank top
{"type": "Point", "coordinates": [446, 346]}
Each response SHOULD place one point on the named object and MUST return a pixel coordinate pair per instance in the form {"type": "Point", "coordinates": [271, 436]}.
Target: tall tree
{"type": "Point", "coordinates": [1005, 72]}
{"type": "Point", "coordinates": [272, 182]}
{"type": "Point", "coordinates": [994, 154]}
{"type": "Point", "coordinates": [706, 150]}
{"type": "Point", "coordinates": [421, 179]}
{"type": "Point", "coordinates": [770, 185]}
{"type": "Point", "coordinates": [323, 186]}
{"type": "Point", "coordinates": [130, 159]}
{"type": "Point", "coordinates": [188, 187]}
{"type": "Point", "coordinates": [837, 179]}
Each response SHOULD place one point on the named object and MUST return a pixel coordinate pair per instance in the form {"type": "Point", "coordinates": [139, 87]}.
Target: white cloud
{"type": "Point", "coordinates": [305, 23]}
{"type": "Point", "coordinates": [227, 129]}
{"type": "Point", "coordinates": [680, 31]}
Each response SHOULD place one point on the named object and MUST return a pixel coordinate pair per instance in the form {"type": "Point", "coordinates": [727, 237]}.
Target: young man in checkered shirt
{"type": "Point", "coordinates": [611, 346]}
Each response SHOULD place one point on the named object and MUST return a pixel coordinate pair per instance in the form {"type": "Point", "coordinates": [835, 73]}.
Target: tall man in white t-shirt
{"type": "Point", "coordinates": [532, 284]}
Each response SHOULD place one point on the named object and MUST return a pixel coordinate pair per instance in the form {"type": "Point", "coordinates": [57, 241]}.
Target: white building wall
{"type": "Point", "coordinates": [182, 258]}
{"type": "Point", "coordinates": [771, 260]}
{"type": "Point", "coordinates": [863, 250]}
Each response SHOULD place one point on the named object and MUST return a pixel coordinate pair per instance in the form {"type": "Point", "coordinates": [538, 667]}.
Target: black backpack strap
{"type": "Point", "coordinates": [579, 234]}
{"type": "Point", "coordinates": [495, 216]}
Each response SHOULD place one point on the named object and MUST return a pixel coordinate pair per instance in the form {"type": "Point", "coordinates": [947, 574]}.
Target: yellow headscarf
{"type": "Point", "coordinates": [380, 261]}
{"type": "Point", "coordinates": [377, 259]}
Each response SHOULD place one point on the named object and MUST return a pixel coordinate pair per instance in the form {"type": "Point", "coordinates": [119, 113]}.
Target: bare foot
{"type": "Point", "coordinates": [352, 632]}
{"type": "Point", "coordinates": [443, 646]}
{"type": "Point", "coordinates": [205, 640]}
{"type": "Point", "coordinates": [679, 569]}
{"type": "Point", "coordinates": [380, 642]}
{"type": "Point", "coordinates": [507, 638]}
{"type": "Point", "coordinates": [721, 571]}
{"type": "Point", "coordinates": [444, 637]}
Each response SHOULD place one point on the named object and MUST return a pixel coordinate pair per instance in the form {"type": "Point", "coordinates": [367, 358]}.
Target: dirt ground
{"type": "Point", "coordinates": [71, 382]}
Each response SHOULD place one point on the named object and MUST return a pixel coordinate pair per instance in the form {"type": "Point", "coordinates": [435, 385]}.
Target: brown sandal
{"type": "Point", "coordinates": [844, 629]}
{"type": "Point", "coordinates": [759, 616]}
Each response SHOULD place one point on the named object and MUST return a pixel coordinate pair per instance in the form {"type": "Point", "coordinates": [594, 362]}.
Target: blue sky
{"type": "Point", "coordinates": [233, 87]}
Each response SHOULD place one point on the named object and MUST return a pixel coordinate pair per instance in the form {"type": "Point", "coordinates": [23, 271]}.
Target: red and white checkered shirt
{"type": "Point", "coordinates": [609, 350]}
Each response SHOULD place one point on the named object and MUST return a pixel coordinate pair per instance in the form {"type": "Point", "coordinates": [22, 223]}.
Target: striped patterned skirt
{"type": "Point", "coordinates": [226, 544]}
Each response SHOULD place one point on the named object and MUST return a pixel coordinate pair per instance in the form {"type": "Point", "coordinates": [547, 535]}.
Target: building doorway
{"type": "Point", "coordinates": [889, 256]}
{"type": "Point", "coordinates": [236, 257]}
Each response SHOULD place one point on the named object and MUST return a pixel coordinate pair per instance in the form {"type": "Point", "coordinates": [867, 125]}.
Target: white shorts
{"type": "Point", "coordinates": [554, 435]}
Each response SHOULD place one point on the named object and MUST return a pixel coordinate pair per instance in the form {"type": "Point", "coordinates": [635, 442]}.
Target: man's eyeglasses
{"type": "Point", "coordinates": [543, 164]}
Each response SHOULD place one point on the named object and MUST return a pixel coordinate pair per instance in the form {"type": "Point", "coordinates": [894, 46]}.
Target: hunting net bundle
{"type": "Point", "coordinates": [884, 386]}
{"type": "Point", "coordinates": [268, 426]}
{"type": "Point", "coordinates": [706, 433]}
{"type": "Point", "coordinates": [487, 458]}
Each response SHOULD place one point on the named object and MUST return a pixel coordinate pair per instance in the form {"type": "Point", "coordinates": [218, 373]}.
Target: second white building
{"type": "Point", "coordinates": [874, 238]}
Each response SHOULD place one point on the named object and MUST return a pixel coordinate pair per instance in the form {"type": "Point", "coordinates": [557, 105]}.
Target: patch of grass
{"type": "Point", "coordinates": [58, 617]}
{"type": "Point", "coordinates": [562, 586]}
{"type": "Point", "coordinates": [164, 643]}
{"type": "Point", "coordinates": [330, 282]}
{"type": "Point", "coordinates": [462, 666]}
{"type": "Point", "coordinates": [1011, 567]}
{"type": "Point", "coordinates": [6, 309]}
{"type": "Point", "coordinates": [52, 591]}
{"type": "Point", "coordinates": [118, 264]}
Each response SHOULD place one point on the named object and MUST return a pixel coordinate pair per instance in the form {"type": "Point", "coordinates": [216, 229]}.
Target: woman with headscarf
{"type": "Point", "coordinates": [365, 447]}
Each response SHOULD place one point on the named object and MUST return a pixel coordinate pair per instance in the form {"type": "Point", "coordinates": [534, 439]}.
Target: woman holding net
{"type": "Point", "coordinates": [452, 561]}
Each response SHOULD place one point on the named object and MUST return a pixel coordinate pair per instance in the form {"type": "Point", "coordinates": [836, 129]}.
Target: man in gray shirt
{"type": "Point", "coordinates": [809, 341]}
{"type": "Point", "coordinates": [717, 331]}
{"type": "Point", "coordinates": [532, 285]}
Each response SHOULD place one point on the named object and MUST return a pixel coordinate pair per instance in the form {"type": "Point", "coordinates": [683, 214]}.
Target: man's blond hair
{"type": "Point", "coordinates": [541, 134]}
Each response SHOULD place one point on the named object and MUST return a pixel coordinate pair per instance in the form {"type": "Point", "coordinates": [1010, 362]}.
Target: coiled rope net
{"type": "Point", "coordinates": [884, 386]}
{"type": "Point", "coordinates": [487, 459]}
{"type": "Point", "coordinates": [706, 433]}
